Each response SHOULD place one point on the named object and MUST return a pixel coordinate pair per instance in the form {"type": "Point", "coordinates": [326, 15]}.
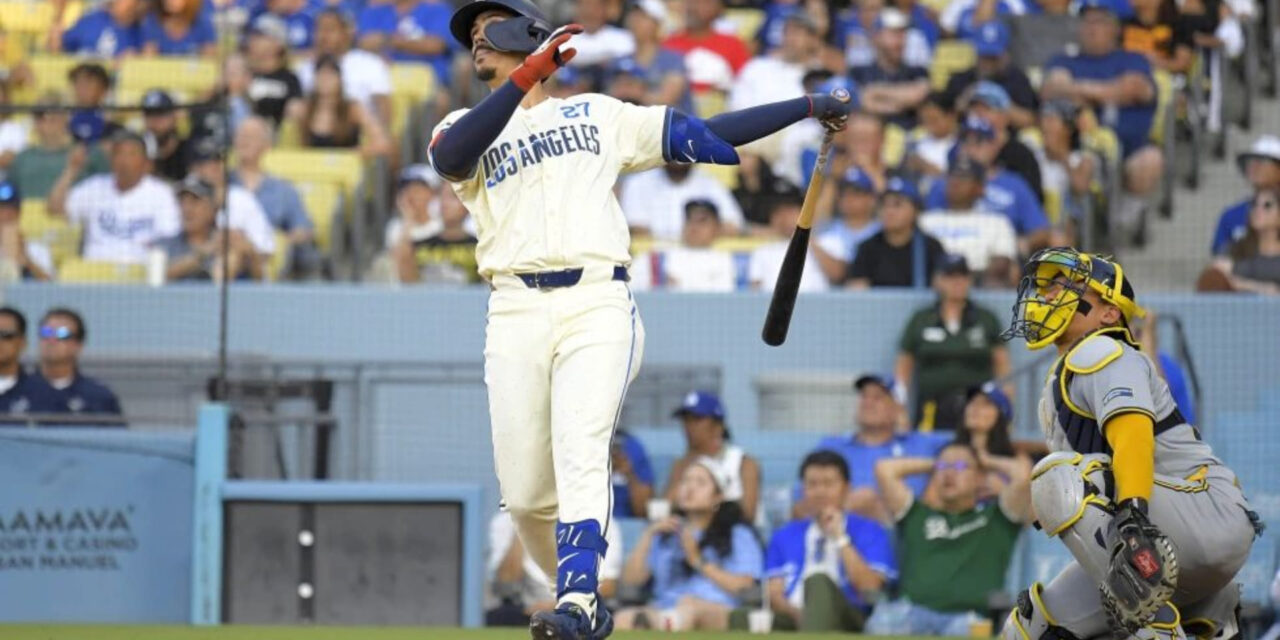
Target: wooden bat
{"type": "Point", "coordinates": [778, 320]}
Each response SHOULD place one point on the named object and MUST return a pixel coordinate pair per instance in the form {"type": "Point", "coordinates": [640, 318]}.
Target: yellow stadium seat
{"type": "Point", "coordinates": [709, 103]}
{"type": "Point", "coordinates": [402, 107]}
{"type": "Point", "coordinates": [279, 256]}
{"type": "Point", "coordinates": [415, 80]}
{"type": "Point", "coordinates": [62, 237]}
{"type": "Point", "coordinates": [895, 145]}
{"type": "Point", "coordinates": [643, 244]}
{"type": "Point", "coordinates": [741, 244]}
{"type": "Point", "coordinates": [322, 200]}
{"type": "Point", "coordinates": [1164, 102]}
{"type": "Point", "coordinates": [343, 167]}
{"type": "Point", "coordinates": [178, 74]}
{"type": "Point", "coordinates": [50, 74]}
{"type": "Point", "coordinates": [35, 18]}
{"type": "Point", "coordinates": [101, 272]}
{"type": "Point", "coordinates": [746, 22]}
{"type": "Point", "coordinates": [950, 57]}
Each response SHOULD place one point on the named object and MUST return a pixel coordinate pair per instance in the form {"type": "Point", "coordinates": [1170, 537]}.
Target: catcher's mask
{"type": "Point", "coordinates": [1052, 292]}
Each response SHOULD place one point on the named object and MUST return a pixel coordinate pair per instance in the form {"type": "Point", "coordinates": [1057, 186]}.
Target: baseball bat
{"type": "Point", "coordinates": [778, 320]}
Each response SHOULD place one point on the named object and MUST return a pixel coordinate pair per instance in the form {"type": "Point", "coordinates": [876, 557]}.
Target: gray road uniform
{"type": "Point", "coordinates": [1196, 500]}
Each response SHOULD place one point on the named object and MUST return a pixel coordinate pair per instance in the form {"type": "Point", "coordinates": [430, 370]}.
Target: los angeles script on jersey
{"type": "Point", "coordinates": [506, 158]}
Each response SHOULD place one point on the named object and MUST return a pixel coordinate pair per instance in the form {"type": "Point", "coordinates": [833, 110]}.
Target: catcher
{"type": "Point", "coordinates": [1158, 526]}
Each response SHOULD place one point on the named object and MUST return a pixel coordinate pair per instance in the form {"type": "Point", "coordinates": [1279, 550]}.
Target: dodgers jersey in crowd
{"type": "Point", "coordinates": [119, 226]}
{"type": "Point", "coordinates": [542, 193]}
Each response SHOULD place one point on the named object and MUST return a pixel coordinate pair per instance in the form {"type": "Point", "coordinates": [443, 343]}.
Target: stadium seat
{"type": "Point", "coordinates": [345, 168]}
{"type": "Point", "coordinates": [416, 80]}
{"type": "Point", "coordinates": [709, 103]}
{"type": "Point", "coordinates": [322, 200]}
{"type": "Point", "coordinates": [746, 22]}
{"type": "Point", "coordinates": [178, 74]}
{"type": "Point", "coordinates": [950, 57]}
{"type": "Point", "coordinates": [76, 270]}
{"type": "Point", "coordinates": [741, 244]}
{"type": "Point", "coordinates": [895, 145]}
{"type": "Point", "coordinates": [34, 19]}
{"type": "Point", "coordinates": [50, 74]}
{"type": "Point", "coordinates": [61, 237]}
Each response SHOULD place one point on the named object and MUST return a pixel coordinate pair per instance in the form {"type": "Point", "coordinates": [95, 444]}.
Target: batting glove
{"type": "Point", "coordinates": [546, 59]}
{"type": "Point", "coordinates": [831, 109]}
{"type": "Point", "coordinates": [1143, 572]}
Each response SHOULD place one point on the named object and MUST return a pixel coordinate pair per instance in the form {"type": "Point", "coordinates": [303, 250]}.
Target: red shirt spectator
{"type": "Point", "coordinates": [711, 58]}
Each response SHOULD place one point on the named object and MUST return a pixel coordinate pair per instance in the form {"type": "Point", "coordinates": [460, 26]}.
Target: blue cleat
{"type": "Point", "coordinates": [570, 622]}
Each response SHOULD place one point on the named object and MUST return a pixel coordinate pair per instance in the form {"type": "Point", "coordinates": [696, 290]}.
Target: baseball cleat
{"type": "Point", "coordinates": [566, 622]}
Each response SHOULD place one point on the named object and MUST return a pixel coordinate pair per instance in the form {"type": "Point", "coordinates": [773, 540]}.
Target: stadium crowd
{"type": "Point", "coordinates": [985, 128]}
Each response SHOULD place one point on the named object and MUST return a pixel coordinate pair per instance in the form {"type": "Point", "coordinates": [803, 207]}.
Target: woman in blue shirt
{"type": "Point", "coordinates": [699, 560]}
{"type": "Point", "coordinates": [179, 28]}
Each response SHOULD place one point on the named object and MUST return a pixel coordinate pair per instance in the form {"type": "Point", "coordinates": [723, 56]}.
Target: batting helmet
{"type": "Point", "coordinates": [1040, 319]}
{"type": "Point", "coordinates": [523, 32]}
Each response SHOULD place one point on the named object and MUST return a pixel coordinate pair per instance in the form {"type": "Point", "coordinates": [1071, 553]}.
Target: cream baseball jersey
{"type": "Point", "coordinates": [542, 193]}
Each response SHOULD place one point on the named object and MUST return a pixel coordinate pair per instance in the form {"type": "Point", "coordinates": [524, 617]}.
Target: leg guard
{"type": "Point", "coordinates": [1030, 620]}
{"type": "Point", "coordinates": [1069, 494]}
{"type": "Point", "coordinates": [580, 548]}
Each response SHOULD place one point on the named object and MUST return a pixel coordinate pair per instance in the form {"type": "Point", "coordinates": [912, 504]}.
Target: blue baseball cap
{"type": "Point", "coordinates": [1118, 8]}
{"type": "Point", "coordinates": [883, 381]}
{"type": "Point", "coordinates": [979, 126]}
{"type": "Point", "coordinates": [628, 66]}
{"type": "Point", "coordinates": [996, 395]}
{"type": "Point", "coordinates": [953, 264]}
{"type": "Point", "coordinates": [992, 95]}
{"type": "Point", "coordinates": [902, 187]}
{"type": "Point", "coordinates": [990, 39]}
{"type": "Point", "coordinates": [9, 194]}
{"type": "Point", "coordinates": [703, 404]}
{"type": "Point", "coordinates": [858, 179]}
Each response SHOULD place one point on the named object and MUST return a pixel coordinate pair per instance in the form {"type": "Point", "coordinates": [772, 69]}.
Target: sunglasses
{"type": "Point", "coordinates": [954, 466]}
{"type": "Point", "coordinates": [10, 335]}
{"type": "Point", "coordinates": [60, 334]}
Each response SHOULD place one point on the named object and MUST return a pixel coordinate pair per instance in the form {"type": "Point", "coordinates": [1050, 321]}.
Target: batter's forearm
{"type": "Point", "coordinates": [456, 150]}
{"type": "Point", "coordinates": [747, 125]}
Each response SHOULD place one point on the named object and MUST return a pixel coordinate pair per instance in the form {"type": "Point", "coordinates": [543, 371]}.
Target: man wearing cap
{"type": "Point", "coordinates": [414, 31]}
{"type": "Point", "coordinates": [366, 78]}
{"type": "Point", "coordinates": [279, 199]}
{"type": "Point", "coordinates": [89, 86]}
{"type": "Point", "coordinates": [990, 102]}
{"type": "Point", "coordinates": [990, 41]}
{"type": "Point", "coordinates": [1261, 167]}
{"type": "Point", "coordinates": [1120, 89]}
{"type": "Point", "coordinates": [900, 255]}
{"type": "Point", "coordinates": [170, 152]}
{"type": "Point", "coordinates": [19, 259]}
{"type": "Point", "coordinates": [779, 72]}
{"type": "Point", "coordinates": [110, 31]}
{"type": "Point", "coordinates": [766, 260]}
{"type": "Point", "coordinates": [36, 168]}
{"type": "Point", "coordinates": [707, 435]}
{"type": "Point", "coordinates": [983, 238]}
{"type": "Point", "coordinates": [891, 88]}
{"type": "Point", "coordinates": [237, 207]}
{"type": "Point", "coordinates": [855, 28]}
{"type": "Point", "coordinates": [122, 212]}
{"type": "Point", "coordinates": [694, 266]}
{"type": "Point", "coordinates": [947, 347]}
{"type": "Point", "coordinates": [195, 253]}
{"type": "Point", "coordinates": [853, 222]}
{"type": "Point", "coordinates": [445, 254]}
{"type": "Point", "coordinates": [654, 200]}
{"type": "Point", "coordinates": [712, 58]}
{"type": "Point", "coordinates": [662, 69]}
{"type": "Point", "coordinates": [600, 42]}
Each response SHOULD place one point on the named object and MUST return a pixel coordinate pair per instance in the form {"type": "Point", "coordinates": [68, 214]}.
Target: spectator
{"type": "Point", "coordinates": [876, 435]}
{"type": "Point", "coordinates": [988, 414]}
{"type": "Point", "coordinates": [447, 256]}
{"type": "Point", "coordinates": [13, 134]}
{"type": "Point", "coordinates": [121, 212]}
{"type": "Point", "coordinates": [237, 208]}
{"type": "Point", "coordinates": [20, 259]}
{"type": "Point", "coordinates": [1005, 192]}
{"type": "Point", "coordinates": [170, 152]}
{"type": "Point", "coordinates": [766, 260]}
{"type": "Point", "coordinates": [661, 68]}
{"type": "Point", "coordinates": [779, 72]}
{"type": "Point", "coordinates": [366, 78]}
{"type": "Point", "coordinates": [955, 550]}
{"type": "Point", "coordinates": [21, 392]}
{"type": "Point", "coordinates": [328, 118]}
{"type": "Point", "coordinates": [633, 479]}
{"type": "Point", "coordinates": [520, 584]}
{"type": "Point", "coordinates": [415, 31]}
{"type": "Point", "coordinates": [1037, 37]}
{"type": "Point", "coordinates": [699, 560]}
{"type": "Point", "coordinates": [1261, 167]}
{"type": "Point", "coordinates": [62, 337]}
{"type": "Point", "coordinates": [37, 167]}
{"type": "Point", "coordinates": [600, 43]}
{"type": "Point", "coordinates": [776, 13]}
{"type": "Point", "coordinates": [929, 145]}
{"type": "Point", "coordinates": [703, 417]}
{"type": "Point", "coordinates": [1155, 29]}
{"type": "Point", "coordinates": [694, 266]}
{"type": "Point", "coordinates": [983, 238]}
{"type": "Point", "coordinates": [891, 87]}
{"type": "Point", "coordinates": [196, 252]}
{"type": "Point", "coordinates": [418, 191]}
{"type": "Point", "coordinates": [900, 255]}
{"type": "Point", "coordinates": [108, 32]}
{"type": "Point", "coordinates": [712, 59]}
{"type": "Point", "coordinates": [1146, 331]}
{"type": "Point", "coordinates": [297, 17]}
{"type": "Point", "coordinates": [824, 572]}
{"type": "Point", "coordinates": [1066, 168]}
{"type": "Point", "coordinates": [1253, 263]}
{"type": "Point", "coordinates": [1118, 86]}
{"type": "Point", "coordinates": [179, 28]}
{"type": "Point", "coordinates": [89, 86]}
{"type": "Point", "coordinates": [860, 145]}
{"type": "Point", "coordinates": [273, 85]}
{"type": "Point", "coordinates": [855, 29]}
{"type": "Point", "coordinates": [991, 103]}
{"type": "Point", "coordinates": [279, 199]}
{"type": "Point", "coordinates": [654, 200]}
{"type": "Point", "coordinates": [991, 43]}
{"type": "Point", "coordinates": [854, 222]}
{"type": "Point", "coordinates": [949, 347]}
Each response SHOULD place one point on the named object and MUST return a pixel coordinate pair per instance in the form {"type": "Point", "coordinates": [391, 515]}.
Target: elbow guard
{"type": "Point", "coordinates": [687, 139]}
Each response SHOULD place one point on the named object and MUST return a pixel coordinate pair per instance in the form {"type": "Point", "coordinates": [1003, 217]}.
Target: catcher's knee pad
{"type": "Point", "coordinates": [1167, 625]}
{"type": "Point", "coordinates": [1069, 492]}
{"type": "Point", "coordinates": [1031, 620]}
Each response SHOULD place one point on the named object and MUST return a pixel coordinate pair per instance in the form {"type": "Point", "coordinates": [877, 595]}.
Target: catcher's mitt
{"type": "Point", "coordinates": [1144, 570]}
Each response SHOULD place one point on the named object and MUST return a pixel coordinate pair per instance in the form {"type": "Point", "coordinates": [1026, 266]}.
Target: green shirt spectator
{"type": "Point", "coordinates": [37, 167]}
{"type": "Point", "coordinates": [953, 561]}
{"type": "Point", "coordinates": [949, 347]}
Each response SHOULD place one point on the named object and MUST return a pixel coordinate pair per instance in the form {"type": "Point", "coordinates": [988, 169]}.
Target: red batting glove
{"type": "Point", "coordinates": [544, 61]}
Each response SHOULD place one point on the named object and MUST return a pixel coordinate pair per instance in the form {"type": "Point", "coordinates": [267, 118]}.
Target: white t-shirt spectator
{"type": "Point", "coordinates": [685, 269]}
{"type": "Point", "coordinates": [797, 140]}
{"type": "Point", "coordinates": [364, 75]}
{"type": "Point", "coordinates": [247, 216]}
{"type": "Point", "coordinates": [766, 79]}
{"type": "Point", "coordinates": [13, 137]}
{"type": "Point", "coordinates": [119, 227]}
{"type": "Point", "coordinates": [651, 200]}
{"type": "Point", "coordinates": [979, 236]}
{"type": "Point", "coordinates": [536, 587]}
{"type": "Point", "coordinates": [603, 46]}
{"type": "Point", "coordinates": [767, 259]}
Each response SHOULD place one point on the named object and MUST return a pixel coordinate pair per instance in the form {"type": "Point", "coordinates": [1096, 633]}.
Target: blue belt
{"type": "Point", "coordinates": [564, 278]}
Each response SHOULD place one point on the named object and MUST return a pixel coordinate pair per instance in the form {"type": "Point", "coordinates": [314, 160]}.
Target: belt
{"type": "Point", "coordinates": [564, 277]}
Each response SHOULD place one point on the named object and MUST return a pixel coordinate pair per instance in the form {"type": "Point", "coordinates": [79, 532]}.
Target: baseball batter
{"type": "Point", "coordinates": [563, 338]}
{"type": "Point", "coordinates": [1158, 526]}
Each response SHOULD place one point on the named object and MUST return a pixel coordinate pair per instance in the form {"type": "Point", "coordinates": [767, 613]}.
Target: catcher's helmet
{"type": "Point", "coordinates": [523, 32]}
{"type": "Point", "coordinates": [1067, 272]}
